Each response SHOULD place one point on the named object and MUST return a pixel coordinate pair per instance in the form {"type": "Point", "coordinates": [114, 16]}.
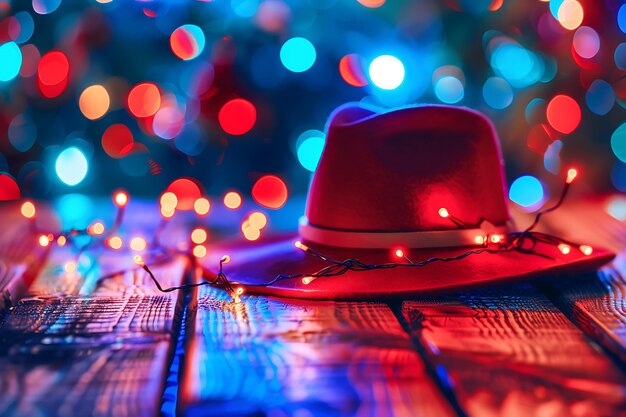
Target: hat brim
{"type": "Point", "coordinates": [255, 264]}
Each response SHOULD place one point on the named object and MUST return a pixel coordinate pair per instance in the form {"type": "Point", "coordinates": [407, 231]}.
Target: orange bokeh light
{"type": "Point", "coordinates": [570, 14]}
{"type": "Point", "coordinates": [202, 206]}
{"type": "Point", "coordinates": [198, 236]}
{"type": "Point", "coordinates": [232, 200]}
{"type": "Point", "coordinates": [258, 220]}
{"type": "Point", "coordinates": [144, 100]}
{"type": "Point", "coordinates": [94, 102]}
{"type": "Point", "coordinates": [199, 251]}
{"type": "Point", "coordinates": [28, 209]}
{"type": "Point", "coordinates": [372, 4]}
{"type": "Point", "coordinates": [138, 244]}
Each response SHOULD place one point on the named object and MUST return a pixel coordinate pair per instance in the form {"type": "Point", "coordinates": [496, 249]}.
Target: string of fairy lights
{"type": "Point", "coordinates": [524, 241]}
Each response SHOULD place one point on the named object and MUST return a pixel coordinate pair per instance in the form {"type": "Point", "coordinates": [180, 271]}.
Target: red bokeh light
{"type": "Point", "coordinates": [563, 113]}
{"type": "Point", "coordinates": [144, 100]}
{"type": "Point", "coordinates": [53, 74]}
{"type": "Point", "coordinates": [270, 191]}
{"type": "Point", "coordinates": [9, 190]}
{"type": "Point", "coordinates": [237, 116]}
{"type": "Point", "coordinates": [30, 60]}
{"type": "Point", "coordinates": [351, 72]}
{"type": "Point", "coordinates": [186, 191]}
{"type": "Point", "coordinates": [117, 141]}
{"type": "Point", "coordinates": [183, 44]}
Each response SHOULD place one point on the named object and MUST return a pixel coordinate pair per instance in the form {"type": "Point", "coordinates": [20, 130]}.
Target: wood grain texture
{"type": "Point", "coordinates": [289, 358]}
{"type": "Point", "coordinates": [21, 258]}
{"type": "Point", "coordinates": [77, 345]}
{"type": "Point", "coordinates": [511, 352]}
{"type": "Point", "coordinates": [594, 301]}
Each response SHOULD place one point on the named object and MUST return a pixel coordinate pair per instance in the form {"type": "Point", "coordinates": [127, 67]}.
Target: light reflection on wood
{"type": "Point", "coordinates": [510, 352]}
{"type": "Point", "coordinates": [303, 358]}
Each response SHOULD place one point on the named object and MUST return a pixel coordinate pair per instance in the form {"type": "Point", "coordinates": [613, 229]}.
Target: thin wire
{"type": "Point", "coordinates": [523, 242]}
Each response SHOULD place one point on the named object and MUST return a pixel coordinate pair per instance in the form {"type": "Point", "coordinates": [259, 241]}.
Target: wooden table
{"type": "Point", "coordinates": [74, 343]}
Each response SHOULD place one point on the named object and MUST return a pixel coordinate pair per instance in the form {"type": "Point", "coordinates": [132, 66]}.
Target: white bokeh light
{"type": "Point", "coordinates": [387, 72]}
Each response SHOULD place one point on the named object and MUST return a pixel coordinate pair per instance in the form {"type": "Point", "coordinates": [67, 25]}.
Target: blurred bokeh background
{"type": "Point", "coordinates": [108, 94]}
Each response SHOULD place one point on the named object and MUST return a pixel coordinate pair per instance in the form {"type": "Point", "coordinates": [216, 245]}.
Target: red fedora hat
{"type": "Point", "coordinates": [405, 202]}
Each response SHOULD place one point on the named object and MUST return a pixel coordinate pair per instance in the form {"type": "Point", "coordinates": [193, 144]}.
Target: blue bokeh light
{"type": "Point", "coordinates": [22, 132]}
{"type": "Point", "coordinates": [74, 210]}
{"type": "Point", "coordinates": [618, 176]}
{"type": "Point", "coordinates": [527, 191]}
{"type": "Point", "coordinates": [310, 146]}
{"type": "Point", "coordinates": [552, 158]}
{"type": "Point", "coordinates": [620, 56]}
{"type": "Point", "coordinates": [618, 142]}
{"type": "Point", "coordinates": [554, 7]}
{"type": "Point", "coordinates": [244, 8]}
{"type": "Point", "coordinates": [621, 18]}
{"type": "Point", "coordinates": [600, 97]}
{"type": "Point", "coordinates": [71, 166]}
{"type": "Point", "coordinates": [11, 59]}
{"type": "Point", "coordinates": [298, 54]}
{"type": "Point", "coordinates": [516, 64]}
{"type": "Point", "coordinates": [27, 27]}
{"type": "Point", "coordinates": [386, 72]}
{"type": "Point", "coordinates": [497, 93]}
{"type": "Point", "coordinates": [449, 89]}
{"type": "Point", "coordinates": [46, 6]}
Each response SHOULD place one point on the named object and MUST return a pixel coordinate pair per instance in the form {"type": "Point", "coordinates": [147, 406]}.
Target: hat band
{"type": "Point", "coordinates": [390, 240]}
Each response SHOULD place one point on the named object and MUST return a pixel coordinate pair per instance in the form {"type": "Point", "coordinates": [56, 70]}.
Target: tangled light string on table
{"type": "Point", "coordinates": [522, 241]}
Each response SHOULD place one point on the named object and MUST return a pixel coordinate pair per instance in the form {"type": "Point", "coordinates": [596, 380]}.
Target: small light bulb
{"type": "Point", "coordinates": [308, 280]}
{"type": "Point", "coordinates": [301, 246]}
{"type": "Point", "coordinates": [28, 209]}
{"type": "Point", "coordinates": [96, 229]}
{"type": "Point", "coordinates": [443, 212]}
{"type": "Point", "coordinates": [225, 259]}
{"type": "Point", "coordinates": [44, 241]}
{"type": "Point", "coordinates": [571, 175]}
{"type": "Point", "coordinates": [479, 240]}
{"type": "Point", "coordinates": [399, 253]}
{"type": "Point", "coordinates": [496, 238]}
{"type": "Point", "coordinates": [120, 198]}
{"type": "Point", "coordinates": [239, 291]}
{"type": "Point", "coordinates": [138, 260]}
{"type": "Point", "coordinates": [565, 249]}
{"type": "Point", "coordinates": [586, 249]}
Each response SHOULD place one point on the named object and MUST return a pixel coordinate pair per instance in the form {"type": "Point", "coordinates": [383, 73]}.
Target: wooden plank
{"type": "Point", "coordinates": [267, 356]}
{"type": "Point", "coordinates": [104, 353]}
{"type": "Point", "coordinates": [21, 257]}
{"type": "Point", "coordinates": [594, 301]}
{"type": "Point", "coordinates": [511, 352]}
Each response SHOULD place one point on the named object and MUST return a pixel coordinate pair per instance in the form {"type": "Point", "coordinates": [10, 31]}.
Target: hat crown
{"type": "Point", "coordinates": [392, 172]}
